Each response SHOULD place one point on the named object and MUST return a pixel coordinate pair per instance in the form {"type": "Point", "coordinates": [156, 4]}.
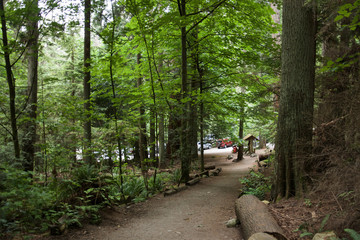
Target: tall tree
{"type": "Point", "coordinates": [87, 86]}
{"type": "Point", "coordinates": [11, 82]}
{"type": "Point", "coordinates": [184, 144]}
{"type": "Point", "coordinates": [29, 140]}
{"type": "Point", "coordinates": [293, 139]}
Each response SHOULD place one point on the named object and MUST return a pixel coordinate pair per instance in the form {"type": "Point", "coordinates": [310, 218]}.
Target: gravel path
{"type": "Point", "coordinates": [199, 212]}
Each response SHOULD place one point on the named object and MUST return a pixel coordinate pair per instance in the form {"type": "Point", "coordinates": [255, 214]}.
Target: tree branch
{"type": "Point", "coordinates": [206, 16]}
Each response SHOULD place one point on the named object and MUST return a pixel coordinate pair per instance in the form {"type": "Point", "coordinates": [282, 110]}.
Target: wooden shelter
{"type": "Point", "coordinates": [251, 139]}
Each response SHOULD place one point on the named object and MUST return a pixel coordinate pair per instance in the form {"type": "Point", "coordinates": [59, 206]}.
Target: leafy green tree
{"type": "Point", "coordinates": [11, 82]}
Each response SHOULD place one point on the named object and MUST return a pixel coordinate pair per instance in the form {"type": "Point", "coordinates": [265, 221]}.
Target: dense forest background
{"type": "Point", "coordinates": [97, 94]}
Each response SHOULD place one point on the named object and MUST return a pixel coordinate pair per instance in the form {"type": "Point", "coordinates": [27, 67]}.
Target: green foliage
{"type": "Point", "coordinates": [304, 228]}
{"type": "Point", "coordinates": [256, 183]}
{"type": "Point", "coordinates": [353, 234]}
{"type": "Point", "coordinates": [23, 204]}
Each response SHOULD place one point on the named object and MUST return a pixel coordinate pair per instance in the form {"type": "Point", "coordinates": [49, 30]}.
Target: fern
{"type": "Point", "coordinates": [353, 234]}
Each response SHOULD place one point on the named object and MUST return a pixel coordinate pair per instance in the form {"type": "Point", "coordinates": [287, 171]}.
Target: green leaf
{"type": "Point", "coordinates": [305, 234]}
{"type": "Point", "coordinates": [338, 18]}
{"type": "Point", "coordinates": [353, 234]}
{"type": "Point", "coordinates": [323, 222]}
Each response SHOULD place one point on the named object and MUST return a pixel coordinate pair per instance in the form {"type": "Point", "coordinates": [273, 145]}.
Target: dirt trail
{"type": "Point", "coordinates": [199, 212]}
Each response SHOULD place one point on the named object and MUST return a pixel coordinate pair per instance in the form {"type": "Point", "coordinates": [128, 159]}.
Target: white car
{"type": "Point", "coordinates": [206, 146]}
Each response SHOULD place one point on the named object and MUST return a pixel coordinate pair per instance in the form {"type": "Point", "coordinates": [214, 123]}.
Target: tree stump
{"type": "Point", "coordinates": [254, 217]}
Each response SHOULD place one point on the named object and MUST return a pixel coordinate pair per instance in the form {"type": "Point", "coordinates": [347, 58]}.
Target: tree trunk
{"type": "Point", "coordinates": [142, 125]}
{"type": "Point", "coordinates": [152, 139]}
{"type": "Point", "coordinates": [195, 85]}
{"type": "Point", "coordinates": [161, 140]}
{"type": "Point", "coordinates": [87, 88]}
{"type": "Point", "coordinates": [240, 155]}
{"type": "Point", "coordinates": [254, 217]}
{"type": "Point", "coordinates": [11, 82]}
{"type": "Point", "coordinates": [293, 139]}
{"type": "Point", "coordinates": [184, 144]}
{"type": "Point", "coordinates": [29, 140]}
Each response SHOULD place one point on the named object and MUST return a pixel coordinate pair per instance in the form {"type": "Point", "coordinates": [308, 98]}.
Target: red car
{"type": "Point", "coordinates": [224, 143]}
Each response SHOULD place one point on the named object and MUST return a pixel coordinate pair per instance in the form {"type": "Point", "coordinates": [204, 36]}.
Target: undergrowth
{"type": "Point", "coordinates": [255, 183]}
{"type": "Point", "coordinates": [28, 206]}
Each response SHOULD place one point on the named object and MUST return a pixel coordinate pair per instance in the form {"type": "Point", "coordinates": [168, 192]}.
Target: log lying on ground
{"type": "Point", "coordinates": [200, 174]}
{"type": "Point", "coordinates": [193, 181]}
{"type": "Point", "coordinates": [206, 173]}
{"type": "Point", "coordinates": [254, 217]}
{"type": "Point", "coordinates": [215, 172]}
{"type": "Point", "coordinates": [209, 167]}
{"type": "Point", "coordinates": [262, 236]}
{"type": "Point", "coordinates": [175, 190]}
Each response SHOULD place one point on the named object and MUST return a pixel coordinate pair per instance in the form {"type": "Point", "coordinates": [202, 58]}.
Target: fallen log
{"type": "Point", "coordinates": [209, 167]}
{"type": "Point", "coordinates": [193, 181]}
{"type": "Point", "coordinates": [254, 218]}
{"type": "Point", "coordinates": [215, 172]}
{"type": "Point", "coordinates": [206, 173]}
{"type": "Point", "coordinates": [174, 190]}
{"type": "Point", "coordinates": [262, 236]}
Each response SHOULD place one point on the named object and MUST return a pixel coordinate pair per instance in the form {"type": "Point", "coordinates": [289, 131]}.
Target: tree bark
{"type": "Point", "coordinates": [161, 140]}
{"type": "Point", "coordinates": [11, 83]}
{"type": "Point", "coordinates": [87, 87]}
{"type": "Point", "coordinates": [152, 139]}
{"type": "Point", "coordinates": [142, 125]}
{"type": "Point", "coordinates": [29, 140]}
{"type": "Point", "coordinates": [240, 155]}
{"type": "Point", "coordinates": [294, 130]}
{"type": "Point", "coordinates": [184, 144]}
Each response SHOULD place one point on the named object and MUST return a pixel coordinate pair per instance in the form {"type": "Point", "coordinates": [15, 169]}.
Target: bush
{"type": "Point", "coordinates": [256, 183]}
{"type": "Point", "coordinates": [23, 204]}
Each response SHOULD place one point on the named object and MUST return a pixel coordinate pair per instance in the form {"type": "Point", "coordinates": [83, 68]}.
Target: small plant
{"type": "Point", "coordinates": [307, 202]}
{"type": "Point", "coordinates": [304, 228]}
{"type": "Point", "coordinates": [176, 176]}
{"type": "Point", "coordinates": [353, 234]}
{"type": "Point", "coordinates": [256, 183]}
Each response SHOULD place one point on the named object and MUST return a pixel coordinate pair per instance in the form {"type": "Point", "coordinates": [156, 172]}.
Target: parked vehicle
{"type": "Point", "coordinates": [224, 143]}
{"type": "Point", "coordinates": [206, 146]}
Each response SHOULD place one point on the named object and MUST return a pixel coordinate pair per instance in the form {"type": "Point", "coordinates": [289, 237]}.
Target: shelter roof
{"type": "Point", "coordinates": [250, 137]}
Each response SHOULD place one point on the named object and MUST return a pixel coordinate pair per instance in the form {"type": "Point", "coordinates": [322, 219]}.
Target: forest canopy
{"type": "Point", "coordinates": [96, 94]}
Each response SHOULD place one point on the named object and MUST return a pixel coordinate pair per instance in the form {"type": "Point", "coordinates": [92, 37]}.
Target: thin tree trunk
{"type": "Point", "coordinates": [152, 139]}
{"type": "Point", "coordinates": [184, 145]}
{"type": "Point", "coordinates": [117, 132]}
{"type": "Point", "coordinates": [202, 162]}
{"type": "Point", "coordinates": [10, 81]}
{"type": "Point", "coordinates": [74, 146]}
{"type": "Point", "coordinates": [240, 155]}
{"type": "Point", "coordinates": [293, 140]}
{"type": "Point", "coordinates": [29, 140]}
{"type": "Point", "coordinates": [142, 126]}
{"type": "Point", "coordinates": [87, 87]}
{"type": "Point", "coordinates": [161, 140]}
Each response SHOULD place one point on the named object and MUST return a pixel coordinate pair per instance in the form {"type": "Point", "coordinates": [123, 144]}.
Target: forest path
{"type": "Point", "coordinates": [199, 212]}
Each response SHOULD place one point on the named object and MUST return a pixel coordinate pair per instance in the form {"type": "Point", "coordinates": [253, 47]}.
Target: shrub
{"type": "Point", "coordinates": [256, 183]}
{"type": "Point", "coordinates": [23, 204]}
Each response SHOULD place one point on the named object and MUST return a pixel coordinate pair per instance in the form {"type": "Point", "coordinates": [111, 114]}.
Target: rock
{"type": "Point", "coordinates": [266, 202]}
{"type": "Point", "coordinates": [261, 236]}
{"type": "Point", "coordinates": [232, 223]}
{"type": "Point", "coordinates": [229, 157]}
{"type": "Point", "coordinates": [325, 236]}
{"type": "Point", "coordinates": [253, 155]}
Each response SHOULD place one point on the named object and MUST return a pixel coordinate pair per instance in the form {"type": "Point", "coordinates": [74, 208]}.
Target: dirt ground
{"type": "Point", "coordinates": [199, 212]}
